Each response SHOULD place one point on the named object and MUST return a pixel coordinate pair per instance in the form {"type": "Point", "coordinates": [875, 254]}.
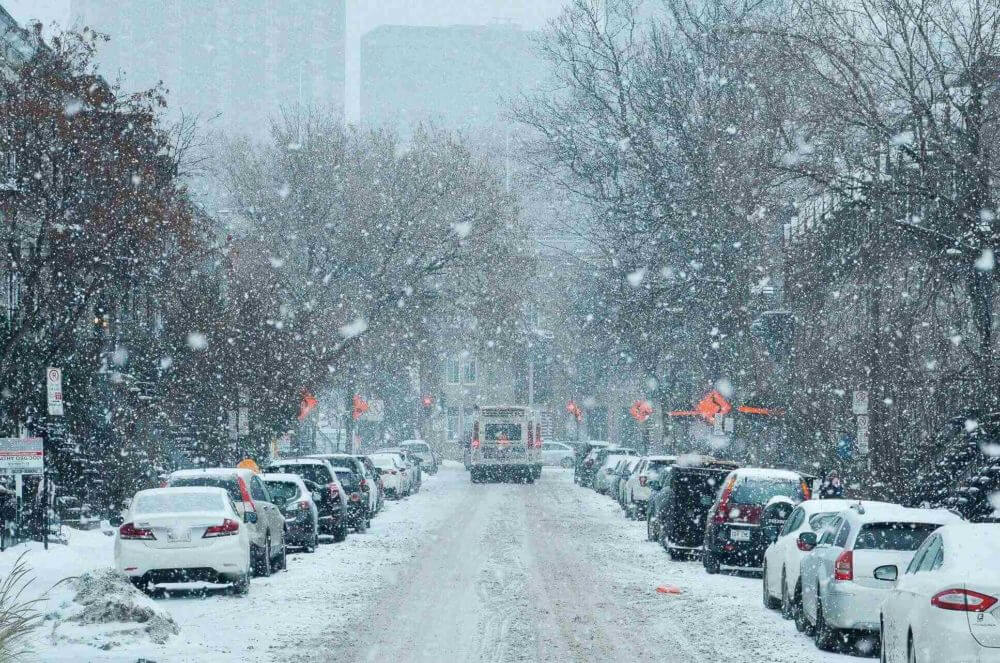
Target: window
{"type": "Point", "coordinates": [917, 558]}
{"type": "Point", "coordinates": [452, 372]}
{"type": "Point", "coordinates": [828, 533]}
{"type": "Point", "coordinates": [470, 369]}
{"type": "Point", "coordinates": [930, 556]}
{"type": "Point", "coordinates": [843, 535]}
{"type": "Point", "coordinates": [793, 521]}
{"type": "Point", "coordinates": [759, 491]}
{"type": "Point", "coordinates": [257, 490]}
{"type": "Point", "coordinates": [453, 432]}
{"type": "Point", "coordinates": [820, 521]}
{"type": "Point", "coordinates": [893, 536]}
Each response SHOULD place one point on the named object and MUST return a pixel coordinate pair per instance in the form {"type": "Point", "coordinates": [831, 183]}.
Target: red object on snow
{"type": "Point", "coordinates": [669, 589]}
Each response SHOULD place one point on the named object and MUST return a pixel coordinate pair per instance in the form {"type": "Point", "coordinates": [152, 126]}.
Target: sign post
{"type": "Point", "coordinates": [53, 383]}
{"type": "Point", "coordinates": [26, 455]}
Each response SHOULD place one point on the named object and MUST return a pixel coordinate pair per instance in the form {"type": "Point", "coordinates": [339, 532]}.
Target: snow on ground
{"type": "Point", "coordinates": [458, 572]}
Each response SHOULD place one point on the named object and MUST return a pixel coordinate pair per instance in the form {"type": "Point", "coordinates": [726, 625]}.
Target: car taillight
{"type": "Point", "coordinates": [304, 505]}
{"type": "Point", "coordinates": [642, 480]}
{"type": "Point", "coordinates": [355, 497]}
{"type": "Point", "coordinates": [843, 568]}
{"type": "Point", "coordinates": [802, 545]}
{"type": "Point", "coordinates": [333, 491]}
{"type": "Point", "coordinates": [963, 600]}
{"type": "Point", "coordinates": [806, 491]}
{"type": "Point", "coordinates": [227, 528]}
{"type": "Point", "coordinates": [130, 531]}
{"type": "Point", "coordinates": [721, 514]}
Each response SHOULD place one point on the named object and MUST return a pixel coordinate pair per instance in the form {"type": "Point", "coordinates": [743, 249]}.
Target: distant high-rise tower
{"type": "Point", "coordinates": [233, 62]}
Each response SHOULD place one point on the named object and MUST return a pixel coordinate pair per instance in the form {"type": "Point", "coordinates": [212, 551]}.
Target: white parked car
{"type": "Point", "coordinates": [605, 472]}
{"type": "Point", "coordinates": [393, 472]}
{"type": "Point", "coordinates": [945, 604]}
{"type": "Point", "coordinates": [184, 535]}
{"type": "Point", "coordinates": [263, 519]}
{"type": "Point", "coordinates": [557, 454]}
{"type": "Point", "coordinates": [783, 557]}
{"type": "Point", "coordinates": [840, 593]}
{"type": "Point", "coordinates": [637, 491]}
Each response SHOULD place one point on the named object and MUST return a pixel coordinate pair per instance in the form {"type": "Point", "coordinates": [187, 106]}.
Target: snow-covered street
{"type": "Point", "coordinates": [458, 572]}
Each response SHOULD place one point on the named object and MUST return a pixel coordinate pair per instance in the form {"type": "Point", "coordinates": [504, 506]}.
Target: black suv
{"type": "Point", "coordinates": [683, 496]}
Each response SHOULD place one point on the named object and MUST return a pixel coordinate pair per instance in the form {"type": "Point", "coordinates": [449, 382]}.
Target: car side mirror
{"type": "Point", "coordinates": [250, 517]}
{"type": "Point", "coordinates": [889, 572]}
{"type": "Point", "coordinates": [654, 485]}
{"type": "Point", "coordinates": [806, 541]}
{"type": "Point", "coordinates": [116, 520]}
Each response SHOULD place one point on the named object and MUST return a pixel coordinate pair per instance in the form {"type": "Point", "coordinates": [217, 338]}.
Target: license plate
{"type": "Point", "coordinates": [178, 535]}
{"type": "Point", "coordinates": [739, 534]}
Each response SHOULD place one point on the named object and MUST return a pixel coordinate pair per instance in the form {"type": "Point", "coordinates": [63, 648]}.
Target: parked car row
{"type": "Point", "coordinates": [226, 524]}
{"type": "Point", "coordinates": [914, 584]}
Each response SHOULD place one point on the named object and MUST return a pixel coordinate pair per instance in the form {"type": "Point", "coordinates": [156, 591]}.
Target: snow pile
{"type": "Point", "coordinates": [106, 599]}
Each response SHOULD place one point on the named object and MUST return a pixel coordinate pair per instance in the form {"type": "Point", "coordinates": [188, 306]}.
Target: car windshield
{"type": "Point", "coordinates": [893, 536]}
{"type": "Point", "coordinates": [315, 473]}
{"type": "Point", "coordinates": [231, 485]}
{"type": "Point", "coordinates": [759, 491]}
{"type": "Point", "coordinates": [657, 465]}
{"type": "Point", "coordinates": [282, 491]}
{"type": "Point", "coordinates": [347, 477]}
{"type": "Point", "coordinates": [177, 502]}
{"type": "Point", "coordinates": [419, 447]}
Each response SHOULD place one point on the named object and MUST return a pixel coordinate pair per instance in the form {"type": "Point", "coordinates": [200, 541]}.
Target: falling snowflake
{"type": "Point", "coordinates": [636, 277]}
{"type": "Point", "coordinates": [462, 229]}
{"type": "Point", "coordinates": [197, 341]}
{"type": "Point", "coordinates": [352, 329]}
{"type": "Point", "coordinates": [985, 261]}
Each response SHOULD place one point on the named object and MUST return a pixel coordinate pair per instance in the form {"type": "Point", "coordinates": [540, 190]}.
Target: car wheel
{"type": "Point", "coordinates": [242, 586]}
{"type": "Point", "coordinates": [802, 624]}
{"type": "Point", "coordinates": [283, 557]}
{"type": "Point", "coordinates": [710, 562]}
{"type": "Point", "coordinates": [340, 533]}
{"type": "Point", "coordinates": [787, 609]}
{"type": "Point", "coordinates": [825, 635]}
{"type": "Point", "coordinates": [141, 584]}
{"type": "Point", "coordinates": [265, 562]}
{"type": "Point", "coordinates": [649, 529]}
{"type": "Point", "coordinates": [314, 544]}
{"type": "Point", "coordinates": [769, 601]}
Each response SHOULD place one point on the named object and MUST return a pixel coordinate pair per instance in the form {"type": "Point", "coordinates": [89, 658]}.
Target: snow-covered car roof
{"type": "Point", "coordinates": [176, 490]}
{"type": "Point", "coordinates": [282, 476]}
{"type": "Point", "coordinates": [669, 459]}
{"type": "Point", "coordinates": [221, 496]}
{"type": "Point", "coordinates": [767, 474]}
{"type": "Point", "coordinates": [298, 461]}
{"type": "Point", "coordinates": [971, 546]}
{"type": "Point", "coordinates": [338, 468]}
{"type": "Point", "coordinates": [614, 459]}
{"type": "Point", "coordinates": [387, 457]}
{"type": "Point", "coordinates": [408, 442]}
{"type": "Point", "coordinates": [222, 472]}
{"type": "Point", "coordinates": [885, 512]}
{"type": "Point", "coordinates": [834, 505]}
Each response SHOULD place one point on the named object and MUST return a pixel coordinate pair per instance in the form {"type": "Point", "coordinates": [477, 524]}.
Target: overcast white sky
{"type": "Point", "coordinates": [527, 13]}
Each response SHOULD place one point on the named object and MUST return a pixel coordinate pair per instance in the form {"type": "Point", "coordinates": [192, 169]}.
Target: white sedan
{"type": "Point", "coordinates": [783, 557]}
{"type": "Point", "coordinates": [945, 606]}
{"type": "Point", "coordinates": [184, 535]}
{"type": "Point", "coordinates": [557, 454]}
{"type": "Point", "coordinates": [393, 472]}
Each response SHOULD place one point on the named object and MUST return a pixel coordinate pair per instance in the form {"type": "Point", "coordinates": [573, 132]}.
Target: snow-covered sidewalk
{"type": "Point", "coordinates": [316, 593]}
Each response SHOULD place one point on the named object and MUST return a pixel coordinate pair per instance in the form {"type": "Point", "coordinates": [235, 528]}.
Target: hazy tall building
{"type": "Point", "coordinates": [458, 76]}
{"type": "Point", "coordinates": [240, 60]}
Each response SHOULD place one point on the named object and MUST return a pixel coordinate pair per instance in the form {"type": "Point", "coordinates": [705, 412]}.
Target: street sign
{"type": "Point", "coordinates": [243, 424]}
{"type": "Point", "coordinates": [859, 403]}
{"type": "Point", "coordinates": [862, 438]}
{"type": "Point", "coordinates": [21, 455]}
{"type": "Point", "coordinates": [53, 382]}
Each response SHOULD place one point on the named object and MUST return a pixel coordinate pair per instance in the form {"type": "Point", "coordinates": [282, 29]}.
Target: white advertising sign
{"type": "Point", "coordinates": [859, 402]}
{"type": "Point", "coordinates": [21, 455]}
